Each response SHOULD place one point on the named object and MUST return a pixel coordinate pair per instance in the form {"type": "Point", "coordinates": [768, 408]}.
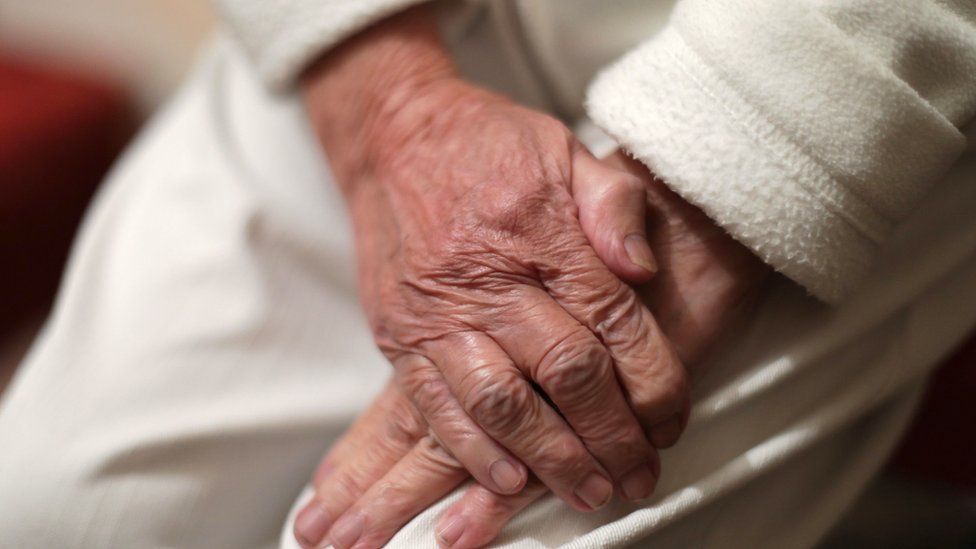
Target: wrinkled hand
{"type": "Point", "coordinates": [479, 280]}
{"type": "Point", "coordinates": [487, 239]}
{"type": "Point", "coordinates": [388, 467]}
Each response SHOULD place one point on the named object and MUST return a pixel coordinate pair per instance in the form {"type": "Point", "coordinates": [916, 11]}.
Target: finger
{"type": "Point", "coordinates": [649, 369]}
{"type": "Point", "coordinates": [612, 204]}
{"type": "Point", "coordinates": [488, 462]}
{"type": "Point", "coordinates": [377, 440]}
{"type": "Point", "coordinates": [576, 372]}
{"type": "Point", "coordinates": [503, 403]}
{"type": "Point", "coordinates": [666, 433]}
{"type": "Point", "coordinates": [426, 474]}
{"type": "Point", "coordinates": [479, 516]}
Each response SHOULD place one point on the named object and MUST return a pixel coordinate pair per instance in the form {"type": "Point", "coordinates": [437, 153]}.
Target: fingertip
{"type": "Point", "coordinates": [638, 484]}
{"type": "Point", "coordinates": [595, 491]}
{"type": "Point", "coordinates": [508, 477]}
{"type": "Point", "coordinates": [474, 538]}
{"type": "Point", "coordinates": [629, 257]}
{"type": "Point", "coordinates": [666, 434]}
{"type": "Point", "coordinates": [450, 528]}
{"type": "Point", "coordinates": [455, 531]}
{"type": "Point", "coordinates": [311, 525]}
{"type": "Point", "coordinates": [484, 514]}
{"type": "Point", "coordinates": [348, 530]}
{"type": "Point", "coordinates": [615, 254]}
{"type": "Point", "coordinates": [640, 256]}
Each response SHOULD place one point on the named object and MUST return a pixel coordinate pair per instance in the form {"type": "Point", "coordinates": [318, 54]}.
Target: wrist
{"type": "Point", "coordinates": [372, 83]}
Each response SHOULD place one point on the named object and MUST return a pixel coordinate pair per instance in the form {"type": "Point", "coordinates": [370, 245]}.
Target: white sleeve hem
{"type": "Point", "coordinates": [668, 109]}
{"type": "Point", "coordinates": [283, 40]}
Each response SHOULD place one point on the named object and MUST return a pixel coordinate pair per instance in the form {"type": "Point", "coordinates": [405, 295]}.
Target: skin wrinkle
{"type": "Point", "coordinates": [572, 368]}
{"type": "Point", "coordinates": [428, 459]}
{"type": "Point", "coordinates": [452, 420]}
{"type": "Point", "coordinates": [624, 338]}
{"type": "Point", "coordinates": [619, 309]}
{"type": "Point", "coordinates": [428, 388]}
{"type": "Point", "coordinates": [597, 427]}
{"type": "Point", "coordinates": [404, 427]}
{"type": "Point", "coordinates": [500, 401]}
{"type": "Point", "coordinates": [560, 458]}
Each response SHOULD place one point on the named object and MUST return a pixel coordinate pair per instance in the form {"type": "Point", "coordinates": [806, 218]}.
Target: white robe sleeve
{"type": "Point", "coordinates": [806, 129]}
{"type": "Point", "coordinates": [283, 36]}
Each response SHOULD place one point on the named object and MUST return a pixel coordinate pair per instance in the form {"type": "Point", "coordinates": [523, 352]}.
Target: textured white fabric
{"type": "Point", "coordinates": [806, 129]}
{"type": "Point", "coordinates": [207, 346]}
{"type": "Point", "coordinates": [284, 36]}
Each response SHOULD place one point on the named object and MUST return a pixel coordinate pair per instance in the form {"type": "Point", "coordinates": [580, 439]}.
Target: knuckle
{"type": "Point", "coordinates": [618, 442]}
{"type": "Point", "coordinates": [516, 211]}
{"type": "Point", "coordinates": [665, 396]}
{"type": "Point", "coordinates": [574, 370]}
{"type": "Point", "coordinates": [404, 425]}
{"type": "Point", "coordinates": [429, 392]}
{"type": "Point", "coordinates": [342, 483]}
{"type": "Point", "coordinates": [673, 386]}
{"type": "Point", "coordinates": [499, 401]}
{"type": "Point", "coordinates": [616, 317]}
{"type": "Point", "coordinates": [562, 458]}
{"type": "Point", "coordinates": [628, 445]}
{"type": "Point", "coordinates": [392, 493]}
{"type": "Point", "coordinates": [632, 183]}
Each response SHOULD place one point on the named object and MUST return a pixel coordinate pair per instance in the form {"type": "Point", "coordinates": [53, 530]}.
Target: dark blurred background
{"type": "Point", "coordinates": [78, 77]}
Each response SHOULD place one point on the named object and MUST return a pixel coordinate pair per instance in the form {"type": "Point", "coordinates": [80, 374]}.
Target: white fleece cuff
{"type": "Point", "coordinates": [282, 38]}
{"type": "Point", "coordinates": [669, 109]}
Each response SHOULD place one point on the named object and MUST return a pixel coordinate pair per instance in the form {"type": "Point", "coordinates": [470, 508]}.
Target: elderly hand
{"type": "Point", "coordinates": [388, 467]}
{"type": "Point", "coordinates": [484, 232]}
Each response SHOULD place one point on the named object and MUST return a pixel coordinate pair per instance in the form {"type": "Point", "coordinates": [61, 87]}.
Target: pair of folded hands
{"type": "Point", "coordinates": [496, 263]}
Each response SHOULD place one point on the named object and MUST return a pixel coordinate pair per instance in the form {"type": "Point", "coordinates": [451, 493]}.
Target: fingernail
{"type": "Point", "coordinates": [505, 475]}
{"type": "Point", "coordinates": [595, 491]}
{"type": "Point", "coordinates": [638, 484]}
{"type": "Point", "coordinates": [639, 252]}
{"type": "Point", "coordinates": [311, 524]}
{"type": "Point", "coordinates": [346, 531]}
{"type": "Point", "coordinates": [451, 531]}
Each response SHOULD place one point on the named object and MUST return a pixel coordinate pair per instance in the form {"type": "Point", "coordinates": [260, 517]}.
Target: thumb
{"type": "Point", "coordinates": [612, 206]}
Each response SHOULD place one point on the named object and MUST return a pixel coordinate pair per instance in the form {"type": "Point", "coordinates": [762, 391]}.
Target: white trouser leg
{"type": "Point", "coordinates": [207, 344]}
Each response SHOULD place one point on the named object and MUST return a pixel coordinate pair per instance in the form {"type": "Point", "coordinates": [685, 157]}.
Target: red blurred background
{"type": "Point", "coordinates": [77, 77]}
